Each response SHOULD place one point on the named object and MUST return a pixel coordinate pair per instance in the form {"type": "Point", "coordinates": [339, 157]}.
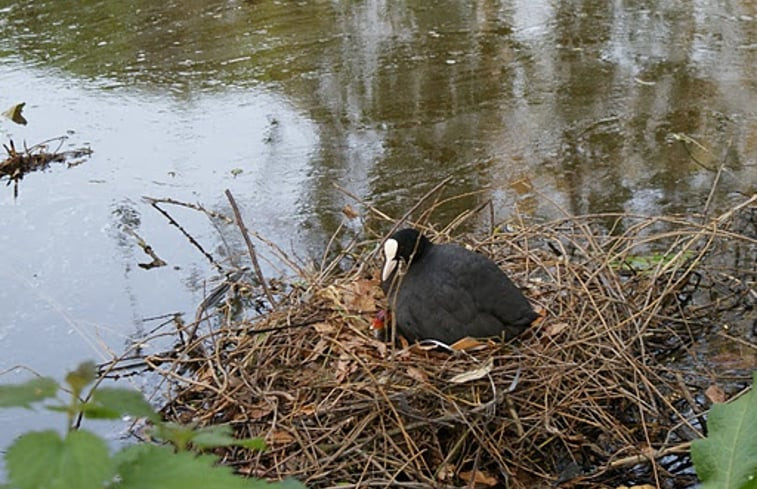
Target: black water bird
{"type": "Point", "coordinates": [448, 292]}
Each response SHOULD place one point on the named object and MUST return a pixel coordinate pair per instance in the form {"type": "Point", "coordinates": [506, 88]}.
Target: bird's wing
{"type": "Point", "coordinates": [434, 306]}
{"type": "Point", "coordinates": [490, 288]}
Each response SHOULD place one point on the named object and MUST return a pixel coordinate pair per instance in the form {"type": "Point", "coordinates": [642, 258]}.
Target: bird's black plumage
{"type": "Point", "coordinates": [448, 292]}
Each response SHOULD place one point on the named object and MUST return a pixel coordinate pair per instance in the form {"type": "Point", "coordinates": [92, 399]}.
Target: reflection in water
{"type": "Point", "coordinates": [582, 98]}
{"type": "Point", "coordinates": [588, 103]}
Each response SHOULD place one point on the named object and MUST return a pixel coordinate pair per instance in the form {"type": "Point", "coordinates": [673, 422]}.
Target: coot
{"type": "Point", "coordinates": [448, 292]}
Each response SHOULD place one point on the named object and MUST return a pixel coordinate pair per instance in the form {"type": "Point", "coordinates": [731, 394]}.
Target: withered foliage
{"type": "Point", "coordinates": [607, 387]}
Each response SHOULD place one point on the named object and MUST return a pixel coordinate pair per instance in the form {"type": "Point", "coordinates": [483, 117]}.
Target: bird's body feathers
{"type": "Point", "coordinates": [448, 292]}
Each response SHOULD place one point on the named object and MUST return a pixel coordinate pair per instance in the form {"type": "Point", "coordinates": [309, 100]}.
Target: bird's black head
{"type": "Point", "coordinates": [407, 245]}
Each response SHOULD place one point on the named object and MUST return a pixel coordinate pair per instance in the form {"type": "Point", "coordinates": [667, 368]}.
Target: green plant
{"type": "Point", "coordinates": [727, 458]}
{"type": "Point", "coordinates": [81, 459]}
{"type": "Point", "coordinates": [648, 263]}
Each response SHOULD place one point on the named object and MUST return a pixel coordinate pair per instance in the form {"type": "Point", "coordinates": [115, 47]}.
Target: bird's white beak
{"type": "Point", "coordinates": [390, 257]}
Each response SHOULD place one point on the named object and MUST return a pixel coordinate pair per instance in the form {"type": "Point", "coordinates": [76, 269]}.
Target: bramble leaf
{"type": "Point", "coordinates": [43, 459]}
{"type": "Point", "coordinates": [23, 395]}
{"type": "Point", "coordinates": [221, 436]}
{"type": "Point", "coordinates": [288, 484]}
{"type": "Point", "coordinates": [113, 402]}
{"type": "Point", "coordinates": [80, 378]}
{"type": "Point", "coordinates": [143, 466]}
{"type": "Point", "coordinates": [727, 458]}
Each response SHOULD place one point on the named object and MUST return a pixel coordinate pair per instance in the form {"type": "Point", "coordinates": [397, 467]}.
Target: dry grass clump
{"type": "Point", "coordinates": [582, 397]}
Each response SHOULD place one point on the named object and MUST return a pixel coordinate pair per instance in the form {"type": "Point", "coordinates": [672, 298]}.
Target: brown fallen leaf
{"type": "Point", "coordinates": [279, 438]}
{"type": "Point", "coordinates": [555, 329]}
{"type": "Point", "coordinates": [305, 410]}
{"type": "Point", "coordinates": [324, 328]}
{"type": "Point", "coordinates": [479, 477]}
{"type": "Point", "coordinates": [735, 360]}
{"type": "Point", "coordinates": [476, 374]}
{"type": "Point", "coordinates": [317, 350]}
{"type": "Point", "coordinates": [349, 212]}
{"type": "Point", "coordinates": [446, 472]}
{"type": "Point", "coordinates": [360, 295]}
{"type": "Point", "coordinates": [417, 374]}
{"type": "Point", "coordinates": [344, 367]}
{"type": "Point", "coordinates": [467, 343]}
{"type": "Point", "coordinates": [715, 394]}
{"type": "Point", "coordinates": [259, 410]}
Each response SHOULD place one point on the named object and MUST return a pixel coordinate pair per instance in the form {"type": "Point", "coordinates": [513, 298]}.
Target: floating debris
{"type": "Point", "coordinates": [15, 114]}
{"type": "Point", "coordinates": [38, 157]}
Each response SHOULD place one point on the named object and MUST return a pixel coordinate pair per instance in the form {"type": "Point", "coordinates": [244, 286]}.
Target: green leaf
{"type": "Point", "coordinates": [23, 395]}
{"type": "Point", "coordinates": [290, 484]}
{"type": "Point", "coordinates": [221, 436]}
{"type": "Point", "coordinates": [251, 443]}
{"type": "Point", "coordinates": [81, 377]}
{"type": "Point", "coordinates": [152, 467]}
{"type": "Point", "coordinates": [113, 402]}
{"type": "Point", "coordinates": [59, 409]}
{"type": "Point", "coordinates": [43, 460]}
{"type": "Point", "coordinates": [727, 458]}
{"type": "Point", "coordinates": [208, 437]}
{"type": "Point", "coordinates": [213, 436]}
{"type": "Point", "coordinates": [646, 263]}
{"type": "Point", "coordinates": [177, 434]}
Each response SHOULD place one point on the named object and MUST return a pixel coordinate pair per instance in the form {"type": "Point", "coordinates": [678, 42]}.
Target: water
{"type": "Point", "coordinates": [583, 103]}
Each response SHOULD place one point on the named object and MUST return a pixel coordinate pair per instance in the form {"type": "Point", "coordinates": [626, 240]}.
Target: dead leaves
{"type": "Point", "coordinates": [360, 296]}
{"type": "Point", "coordinates": [344, 343]}
{"type": "Point", "coordinates": [279, 438]}
{"type": "Point", "coordinates": [468, 344]}
{"type": "Point", "coordinates": [554, 329]}
{"type": "Point", "coordinates": [349, 212]}
{"type": "Point", "coordinates": [479, 478]}
{"type": "Point", "coordinates": [324, 328]}
{"type": "Point", "coordinates": [715, 394]}
{"type": "Point", "coordinates": [344, 367]}
{"type": "Point", "coordinates": [471, 478]}
{"type": "Point", "coordinates": [476, 374]}
{"type": "Point", "coordinates": [417, 374]}
{"type": "Point", "coordinates": [258, 411]}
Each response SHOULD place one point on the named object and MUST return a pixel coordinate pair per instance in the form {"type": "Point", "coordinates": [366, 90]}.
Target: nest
{"type": "Point", "coordinates": [590, 396]}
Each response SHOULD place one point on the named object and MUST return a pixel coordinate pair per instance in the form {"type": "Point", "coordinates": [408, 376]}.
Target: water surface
{"type": "Point", "coordinates": [550, 107]}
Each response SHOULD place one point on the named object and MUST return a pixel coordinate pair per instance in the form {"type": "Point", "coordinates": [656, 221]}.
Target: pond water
{"type": "Point", "coordinates": [584, 104]}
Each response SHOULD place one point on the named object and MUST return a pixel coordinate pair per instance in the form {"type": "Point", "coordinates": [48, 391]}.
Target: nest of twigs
{"type": "Point", "coordinates": [587, 397]}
